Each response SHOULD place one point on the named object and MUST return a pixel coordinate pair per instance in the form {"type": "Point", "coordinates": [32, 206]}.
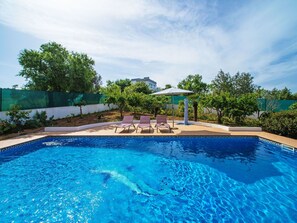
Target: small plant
{"type": "Point", "coordinates": [40, 119]}
{"type": "Point", "coordinates": [18, 117]}
{"type": "Point", "coordinates": [80, 104]}
{"type": "Point", "coordinates": [6, 127]}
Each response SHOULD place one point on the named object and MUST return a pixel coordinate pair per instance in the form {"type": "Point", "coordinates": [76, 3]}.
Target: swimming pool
{"type": "Point", "coordinates": [148, 179]}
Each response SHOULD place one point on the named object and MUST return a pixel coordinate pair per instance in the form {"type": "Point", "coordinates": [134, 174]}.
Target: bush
{"type": "Point", "coordinates": [293, 106]}
{"type": "Point", "coordinates": [208, 117]}
{"type": "Point", "coordinates": [281, 123]}
{"type": "Point", "coordinates": [40, 119]}
{"type": "Point", "coordinates": [228, 121]}
{"type": "Point", "coordinates": [17, 117]}
{"type": "Point", "coordinates": [6, 127]}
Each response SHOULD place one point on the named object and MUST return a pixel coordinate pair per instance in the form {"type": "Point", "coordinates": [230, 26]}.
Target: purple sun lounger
{"type": "Point", "coordinates": [126, 123]}
{"type": "Point", "coordinates": [161, 122]}
{"type": "Point", "coordinates": [145, 122]}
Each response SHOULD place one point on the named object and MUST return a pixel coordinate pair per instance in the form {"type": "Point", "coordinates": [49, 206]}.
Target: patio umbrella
{"type": "Point", "coordinates": [173, 92]}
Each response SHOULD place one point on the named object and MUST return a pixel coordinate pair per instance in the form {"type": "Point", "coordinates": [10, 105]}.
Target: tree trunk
{"type": "Point", "coordinates": [219, 113]}
{"type": "Point", "coordinates": [121, 111]}
{"type": "Point", "coordinates": [80, 109]}
{"type": "Point", "coordinates": [156, 111]}
{"type": "Point", "coordinates": [195, 106]}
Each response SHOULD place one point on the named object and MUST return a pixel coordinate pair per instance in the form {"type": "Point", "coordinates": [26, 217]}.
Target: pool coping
{"type": "Point", "coordinates": [282, 145]}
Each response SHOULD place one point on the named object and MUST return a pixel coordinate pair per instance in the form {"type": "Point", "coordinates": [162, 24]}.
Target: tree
{"type": "Point", "coordinates": [122, 83]}
{"type": "Point", "coordinates": [223, 82]}
{"type": "Point", "coordinates": [239, 84]}
{"type": "Point", "coordinates": [194, 83]}
{"type": "Point", "coordinates": [53, 68]}
{"type": "Point", "coordinates": [240, 107]}
{"type": "Point", "coordinates": [80, 104]}
{"type": "Point", "coordinates": [218, 102]}
{"type": "Point", "coordinates": [243, 83]}
{"type": "Point", "coordinates": [167, 86]}
{"type": "Point", "coordinates": [235, 107]}
{"type": "Point", "coordinates": [276, 94]}
{"type": "Point", "coordinates": [153, 104]}
{"type": "Point", "coordinates": [115, 96]}
{"type": "Point", "coordinates": [139, 87]}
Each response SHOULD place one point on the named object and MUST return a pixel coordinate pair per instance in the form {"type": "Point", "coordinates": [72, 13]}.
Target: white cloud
{"type": "Point", "coordinates": [165, 41]}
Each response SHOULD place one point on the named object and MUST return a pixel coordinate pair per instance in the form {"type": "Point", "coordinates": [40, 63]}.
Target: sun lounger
{"type": "Point", "coordinates": [126, 123]}
{"type": "Point", "coordinates": [161, 122]}
{"type": "Point", "coordinates": [145, 122]}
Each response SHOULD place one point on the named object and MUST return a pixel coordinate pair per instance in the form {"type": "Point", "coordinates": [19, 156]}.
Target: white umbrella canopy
{"type": "Point", "coordinates": [171, 92]}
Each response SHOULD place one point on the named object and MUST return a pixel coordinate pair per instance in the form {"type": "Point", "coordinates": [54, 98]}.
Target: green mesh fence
{"type": "Point", "coordinates": [44, 99]}
{"type": "Point", "coordinates": [177, 99]}
{"type": "Point", "coordinates": [274, 105]}
{"type": "Point", "coordinates": [264, 104]}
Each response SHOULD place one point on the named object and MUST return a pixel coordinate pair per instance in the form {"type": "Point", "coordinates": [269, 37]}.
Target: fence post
{"type": "Point", "coordinates": [0, 99]}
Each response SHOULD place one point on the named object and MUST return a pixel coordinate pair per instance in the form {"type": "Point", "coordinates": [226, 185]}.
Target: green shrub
{"type": "Point", "coordinates": [6, 127]}
{"type": "Point", "coordinates": [228, 121]}
{"type": "Point", "coordinates": [251, 122]}
{"type": "Point", "coordinates": [281, 123]}
{"type": "Point", "coordinates": [208, 117]}
{"type": "Point", "coordinates": [39, 119]}
{"type": "Point", "coordinates": [293, 106]}
{"type": "Point", "coordinates": [17, 117]}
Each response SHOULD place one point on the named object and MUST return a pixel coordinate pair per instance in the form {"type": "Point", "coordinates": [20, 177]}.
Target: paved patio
{"type": "Point", "coordinates": [179, 130]}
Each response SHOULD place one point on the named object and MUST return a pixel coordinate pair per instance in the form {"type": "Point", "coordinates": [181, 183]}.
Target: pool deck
{"type": "Point", "coordinates": [179, 130]}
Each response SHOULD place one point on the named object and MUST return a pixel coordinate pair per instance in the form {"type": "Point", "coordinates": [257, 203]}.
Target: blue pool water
{"type": "Point", "coordinates": [148, 179]}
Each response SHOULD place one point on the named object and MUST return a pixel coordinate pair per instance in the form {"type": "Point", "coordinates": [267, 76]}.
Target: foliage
{"type": "Point", "coordinates": [208, 117]}
{"type": "Point", "coordinates": [167, 86]}
{"type": "Point", "coordinates": [239, 84]}
{"type": "Point", "coordinates": [222, 83]}
{"type": "Point", "coordinates": [181, 109]}
{"type": "Point", "coordinates": [242, 106]}
{"type": "Point", "coordinates": [115, 96]}
{"type": "Point", "coordinates": [80, 104]}
{"type": "Point", "coordinates": [276, 94]}
{"type": "Point", "coordinates": [293, 106]}
{"type": "Point", "coordinates": [236, 108]}
{"type": "Point", "coordinates": [282, 123]}
{"type": "Point", "coordinates": [17, 117]}
{"type": "Point", "coordinates": [53, 68]}
{"type": "Point", "coordinates": [218, 102]}
{"type": "Point", "coordinates": [154, 104]}
{"type": "Point", "coordinates": [6, 127]}
{"type": "Point", "coordinates": [193, 83]}
{"type": "Point", "coordinates": [139, 87]}
{"type": "Point", "coordinates": [39, 119]}
{"type": "Point", "coordinates": [122, 83]}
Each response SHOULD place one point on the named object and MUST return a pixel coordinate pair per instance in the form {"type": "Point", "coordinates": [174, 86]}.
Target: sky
{"type": "Point", "coordinates": [165, 40]}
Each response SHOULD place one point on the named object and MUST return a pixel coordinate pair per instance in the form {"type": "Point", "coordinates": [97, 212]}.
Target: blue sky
{"type": "Point", "coordinates": [165, 40]}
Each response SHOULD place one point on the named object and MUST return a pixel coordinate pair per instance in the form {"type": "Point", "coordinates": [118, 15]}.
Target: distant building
{"type": "Point", "coordinates": [150, 83]}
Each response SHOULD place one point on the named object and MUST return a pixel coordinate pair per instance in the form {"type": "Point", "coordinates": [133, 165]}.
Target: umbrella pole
{"type": "Point", "coordinates": [172, 112]}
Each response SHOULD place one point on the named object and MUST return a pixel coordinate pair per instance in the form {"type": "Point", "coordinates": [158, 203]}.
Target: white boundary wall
{"type": "Point", "coordinates": [62, 112]}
